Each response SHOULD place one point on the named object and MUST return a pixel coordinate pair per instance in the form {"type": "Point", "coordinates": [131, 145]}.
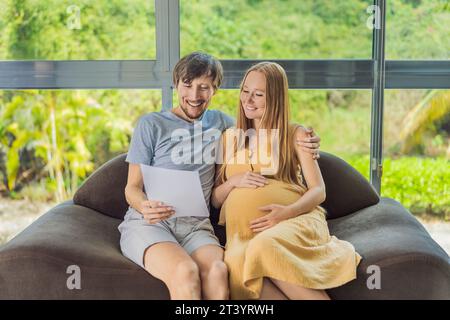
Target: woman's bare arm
{"type": "Point", "coordinates": [221, 190]}
{"type": "Point", "coordinates": [315, 194]}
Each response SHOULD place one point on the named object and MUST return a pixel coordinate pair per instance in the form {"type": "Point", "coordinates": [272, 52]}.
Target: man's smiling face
{"type": "Point", "coordinates": [195, 96]}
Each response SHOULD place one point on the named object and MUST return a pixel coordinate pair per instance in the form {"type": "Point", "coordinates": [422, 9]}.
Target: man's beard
{"type": "Point", "coordinates": [189, 115]}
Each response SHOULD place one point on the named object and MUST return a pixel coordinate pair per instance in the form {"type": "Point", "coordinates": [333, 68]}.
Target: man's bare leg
{"type": "Point", "coordinates": [213, 272]}
{"type": "Point", "coordinates": [170, 263]}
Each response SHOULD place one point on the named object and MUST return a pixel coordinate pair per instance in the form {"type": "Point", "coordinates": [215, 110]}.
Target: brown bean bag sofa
{"type": "Point", "coordinates": [83, 232]}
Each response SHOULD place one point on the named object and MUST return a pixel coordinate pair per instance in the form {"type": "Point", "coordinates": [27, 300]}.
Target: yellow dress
{"type": "Point", "coordinates": [299, 250]}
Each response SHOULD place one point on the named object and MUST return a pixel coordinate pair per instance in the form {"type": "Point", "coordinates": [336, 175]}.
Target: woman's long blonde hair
{"type": "Point", "coordinates": [276, 116]}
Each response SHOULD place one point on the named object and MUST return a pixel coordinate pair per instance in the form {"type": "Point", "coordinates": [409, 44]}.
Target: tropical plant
{"type": "Point", "coordinates": [434, 107]}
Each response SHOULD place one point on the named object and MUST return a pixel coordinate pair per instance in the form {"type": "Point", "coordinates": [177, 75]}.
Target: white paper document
{"type": "Point", "coordinates": [177, 188]}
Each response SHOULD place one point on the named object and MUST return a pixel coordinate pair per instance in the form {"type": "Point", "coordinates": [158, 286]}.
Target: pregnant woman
{"type": "Point", "coordinates": [278, 242]}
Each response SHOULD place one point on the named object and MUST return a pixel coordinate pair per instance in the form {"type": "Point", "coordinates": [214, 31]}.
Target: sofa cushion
{"type": "Point", "coordinates": [411, 264]}
{"type": "Point", "coordinates": [33, 265]}
{"type": "Point", "coordinates": [347, 190]}
{"type": "Point", "coordinates": [104, 190]}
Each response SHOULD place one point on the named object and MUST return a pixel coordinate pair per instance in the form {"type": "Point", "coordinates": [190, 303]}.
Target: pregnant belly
{"type": "Point", "coordinates": [242, 204]}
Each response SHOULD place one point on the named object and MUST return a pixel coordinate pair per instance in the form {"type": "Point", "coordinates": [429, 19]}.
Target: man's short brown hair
{"type": "Point", "coordinates": [195, 65]}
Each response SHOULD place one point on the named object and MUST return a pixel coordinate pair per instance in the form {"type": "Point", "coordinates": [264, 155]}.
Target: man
{"type": "Point", "coordinates": [183, 252]}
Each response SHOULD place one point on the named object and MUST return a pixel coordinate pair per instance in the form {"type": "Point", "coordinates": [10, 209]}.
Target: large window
{"type": "Point", "coordinates": [334, 63]}
{"type": "Point", "coordinates": [265, 29]}
{"type": "Point", "coordinates": [77, 30]}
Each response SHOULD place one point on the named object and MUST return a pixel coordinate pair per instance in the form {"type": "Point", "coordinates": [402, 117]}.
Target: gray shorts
{"type": "Point", "coordinates": [189, 232]}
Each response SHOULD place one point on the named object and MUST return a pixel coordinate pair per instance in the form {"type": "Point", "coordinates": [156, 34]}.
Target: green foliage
{"type": "Point", "coordinates": [421, 120]}
{"type": "Point", "coordinates": [420, 184]}
{"type": "Point", "coordinates": [72, 133]}
{"type": "Point", "coordinates": [283, 29]}
{"type": "Point", "coordinates": [417, 29]}
{"type": "Point", "coordinates": [50, 30]}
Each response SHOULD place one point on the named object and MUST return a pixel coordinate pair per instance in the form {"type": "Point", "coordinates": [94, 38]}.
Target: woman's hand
{"type": "Point", "coordinates": [155, 211]}
{"type": "Point", "coordinates": [277, 213]}
{"type": "Point", "coordinates": [248, 180]}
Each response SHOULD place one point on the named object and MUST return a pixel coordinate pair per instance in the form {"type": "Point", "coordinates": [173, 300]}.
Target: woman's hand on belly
{"type": "Point", "coordinates": [243, 205]}
{"type": "Point", "coordinates": [248, 180]}
{"type": "Point", "coordinates": [276, 214]}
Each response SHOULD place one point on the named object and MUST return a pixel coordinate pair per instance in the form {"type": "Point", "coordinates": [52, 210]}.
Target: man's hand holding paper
{"type": "Point", "coordinates": [155, 211]}
{"type": "Point", "coordinates": [177, 191]}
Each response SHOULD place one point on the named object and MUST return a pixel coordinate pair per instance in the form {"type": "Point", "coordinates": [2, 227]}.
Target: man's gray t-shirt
{"type": "Point", "coordinates": [162, 139]}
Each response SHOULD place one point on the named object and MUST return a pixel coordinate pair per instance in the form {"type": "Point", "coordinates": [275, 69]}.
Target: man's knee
{"type": "Point", "coordinates": [185, 282]}
{"type": "Point", "coordinates": [218, 269]}
{"type": "Point", "coordinates": [186, 272]}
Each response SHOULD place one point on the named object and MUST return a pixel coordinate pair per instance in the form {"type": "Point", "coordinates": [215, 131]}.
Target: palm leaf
{"type": "Point", "coordinates": [433, 107]}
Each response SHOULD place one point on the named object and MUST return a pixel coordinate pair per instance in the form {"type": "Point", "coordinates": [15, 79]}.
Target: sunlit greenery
{"type": "Point", "coordinates": [419, 183]}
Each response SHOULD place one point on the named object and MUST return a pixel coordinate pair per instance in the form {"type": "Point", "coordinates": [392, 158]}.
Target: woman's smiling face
{"type": "Point", "coordinates": [253, 95]}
